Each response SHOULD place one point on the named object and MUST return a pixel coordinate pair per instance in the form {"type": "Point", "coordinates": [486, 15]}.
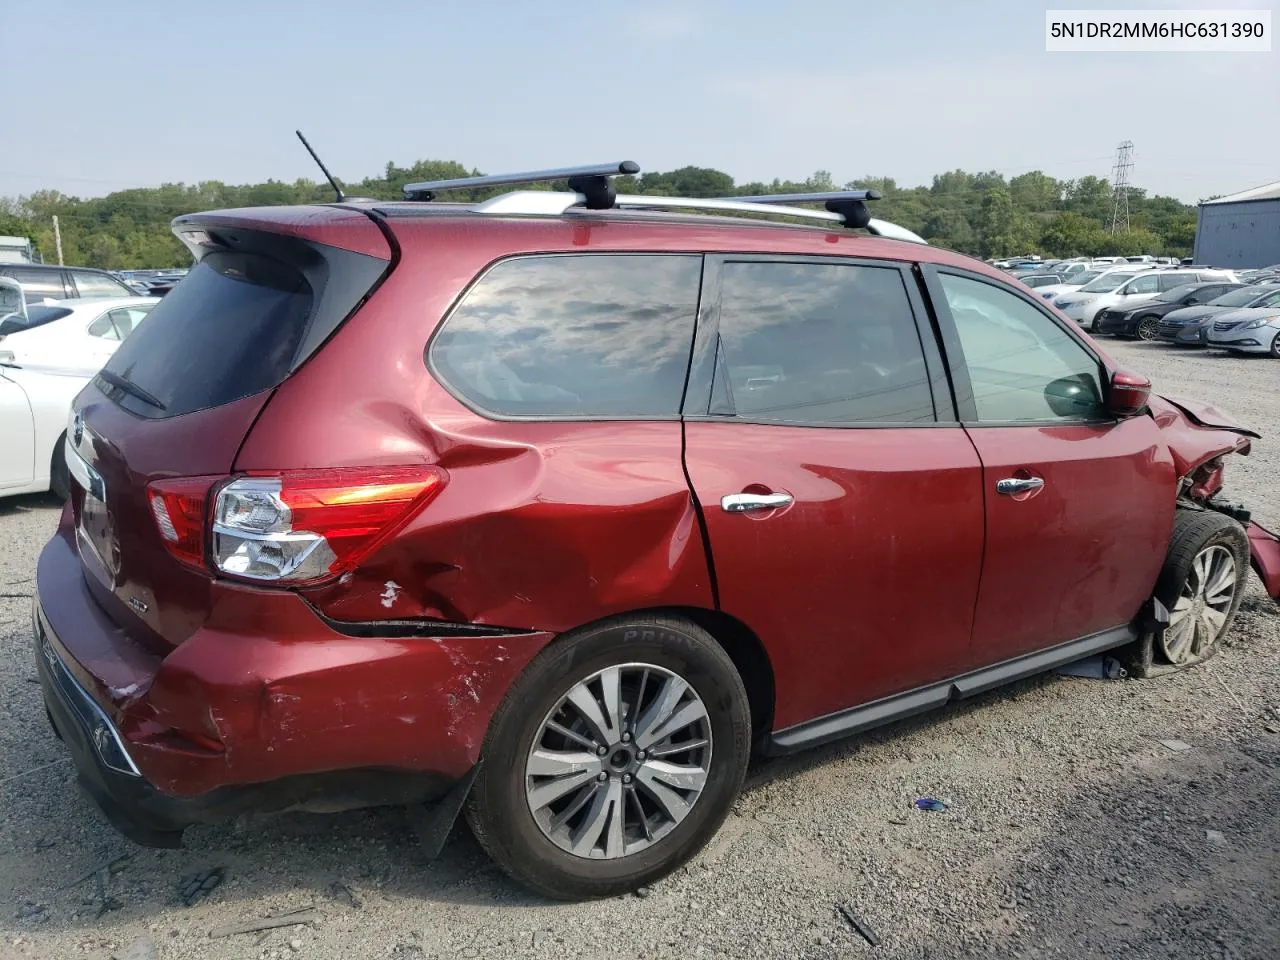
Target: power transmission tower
{"type": "Point", "coordinates": [1120, 187]}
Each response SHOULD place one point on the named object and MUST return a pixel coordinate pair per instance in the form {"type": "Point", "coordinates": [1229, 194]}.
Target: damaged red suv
{"type": "Point", "coordinates": [556, 506]}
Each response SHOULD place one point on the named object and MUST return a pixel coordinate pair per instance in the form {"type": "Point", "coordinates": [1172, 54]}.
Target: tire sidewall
{"type": "Point", "coordinates": [500, 790]}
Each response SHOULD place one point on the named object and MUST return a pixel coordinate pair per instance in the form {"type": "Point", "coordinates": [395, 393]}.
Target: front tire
{"type": "Point", "coordinates": [1201, 585]}
{"type": "Point", "coordinates": [1275, 346]}
{"type": "Point", "coordinates": [613, 759]}
{"type": "Point", "coordinates": [1148, 327]}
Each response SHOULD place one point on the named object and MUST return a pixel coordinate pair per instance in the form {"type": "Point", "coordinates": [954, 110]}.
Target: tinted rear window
{"type": "Point", "coordinates": [572, 337]}
{"type": "Point", "coordinates": [231, 329]}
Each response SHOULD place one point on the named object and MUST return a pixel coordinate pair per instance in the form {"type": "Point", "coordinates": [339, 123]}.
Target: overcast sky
{"type": "Point", "coordinates": [139, 92]}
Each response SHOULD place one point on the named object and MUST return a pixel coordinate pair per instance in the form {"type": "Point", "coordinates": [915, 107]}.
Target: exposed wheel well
{"type": "Point", "coordinates": [741, 644]}
{"type": "Point", "coordinates": [748, 655]}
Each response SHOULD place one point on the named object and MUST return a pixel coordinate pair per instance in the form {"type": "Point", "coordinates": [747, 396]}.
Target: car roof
{"type": "Point", "coordinates": [580, 229]}
{"type": "Point", "coordinates": [54, 266]}
{"type": "Point", "coordinates": [80, 304]}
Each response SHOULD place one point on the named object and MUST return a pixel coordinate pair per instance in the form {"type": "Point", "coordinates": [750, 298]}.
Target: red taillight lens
{"type": "Point", "coordinates": [303, 526]}
{"type": "Point", "coordinates": [179, 507]}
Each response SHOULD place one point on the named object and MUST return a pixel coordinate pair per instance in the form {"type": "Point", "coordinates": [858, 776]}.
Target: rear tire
{"type": "Point", "coordinates": [59, 476]}
{"type": "Point", "coordinates": [1148, 326]}
{"type": "Point", "coordinates": [658, 828]}
{"type": "Point", "coordinates": [1201, 585]}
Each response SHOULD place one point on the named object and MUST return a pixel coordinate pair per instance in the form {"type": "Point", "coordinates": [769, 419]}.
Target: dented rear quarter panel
{"type": "Point", "coordinates": [541, 525]}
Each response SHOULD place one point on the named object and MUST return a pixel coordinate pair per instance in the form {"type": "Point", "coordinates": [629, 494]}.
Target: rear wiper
{"type": "Point", "coordinates": [128, 386]}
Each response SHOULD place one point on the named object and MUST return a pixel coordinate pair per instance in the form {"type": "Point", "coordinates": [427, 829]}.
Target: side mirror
{"type": "Point", "coordinates": [1074, 397]}
{"type": "Point", "coordinates": [1128, 395]}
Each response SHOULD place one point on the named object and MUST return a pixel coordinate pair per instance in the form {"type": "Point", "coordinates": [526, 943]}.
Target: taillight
{"type": "Point", "coordinates": [301, 526]}
{"type": "Point", "coordinates": [179, 508]}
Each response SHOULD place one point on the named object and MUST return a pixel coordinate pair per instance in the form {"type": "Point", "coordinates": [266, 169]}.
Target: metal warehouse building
{"type": "Point", "coordinates": [1242, 230]}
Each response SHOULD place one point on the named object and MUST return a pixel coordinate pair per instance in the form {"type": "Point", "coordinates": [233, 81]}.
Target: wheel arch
{"type": "Point", "coordinates": [749, 655]}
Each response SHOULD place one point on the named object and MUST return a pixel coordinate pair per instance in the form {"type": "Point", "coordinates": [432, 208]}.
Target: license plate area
{"type": "Point", "coordinates": [93, 522]}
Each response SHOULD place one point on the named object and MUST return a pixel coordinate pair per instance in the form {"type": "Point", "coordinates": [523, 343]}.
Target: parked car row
{"type": "Point", "coordinates": [49, 349]}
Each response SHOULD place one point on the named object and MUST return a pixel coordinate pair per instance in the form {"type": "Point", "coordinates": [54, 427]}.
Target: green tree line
{"type": "Point", "coordinates": [977, 213]}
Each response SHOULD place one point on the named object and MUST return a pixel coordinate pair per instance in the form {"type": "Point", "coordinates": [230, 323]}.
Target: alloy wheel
{"type": "Point", "coordinates": [1147, 328]}
{"type": "Point", "coordinates": [1198, 617]}
{"type": "Point", "coordinates": [619, 761]}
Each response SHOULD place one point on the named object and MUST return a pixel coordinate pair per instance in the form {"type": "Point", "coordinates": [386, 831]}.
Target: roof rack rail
{"type": "Point", "coordinates": [848, 203]}
{"type": "Point", "coordinates": [549, 204]}
{"type": "Point", "coordinates": [591, 181]}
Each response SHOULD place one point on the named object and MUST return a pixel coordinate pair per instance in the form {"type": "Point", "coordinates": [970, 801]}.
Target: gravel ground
{"type": "Point", "coordinates": [1072, 830]}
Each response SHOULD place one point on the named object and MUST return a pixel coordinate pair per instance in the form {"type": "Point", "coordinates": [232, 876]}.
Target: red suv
{"type": "Point", "coordinates": [556, 506]}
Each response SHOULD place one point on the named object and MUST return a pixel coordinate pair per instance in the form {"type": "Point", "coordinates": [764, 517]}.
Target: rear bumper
{"type": "Point", "coordinates": [1264, 551]}
{"type": "Point", "coordinates": [233, 721]}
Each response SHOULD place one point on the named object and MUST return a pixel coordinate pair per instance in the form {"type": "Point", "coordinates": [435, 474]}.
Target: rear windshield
{"type": "Point", "coordinates": [231, 329]}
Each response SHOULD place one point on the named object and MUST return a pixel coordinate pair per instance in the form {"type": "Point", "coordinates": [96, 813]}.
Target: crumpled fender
{"type": "Point", "coordinates": [1264, 548]}
{"type": "Point", "coordinates": [1197, 432]}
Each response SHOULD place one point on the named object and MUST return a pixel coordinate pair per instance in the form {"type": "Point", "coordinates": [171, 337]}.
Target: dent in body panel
{"type": "Point", "coordinates": [1192, 445]}
{"type": "Point", "coordinates": [543, 526]}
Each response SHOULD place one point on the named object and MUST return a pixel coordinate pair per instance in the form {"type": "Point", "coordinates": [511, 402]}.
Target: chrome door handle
{"type": "Point", "coordinates": [742, 502]}
{"type": "Point", "coordinates": [1011, 486]}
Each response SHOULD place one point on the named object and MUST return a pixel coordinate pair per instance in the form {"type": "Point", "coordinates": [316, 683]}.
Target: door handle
{"type": "Point", "coordinates": [742, 502]}
{"type": "Point", "coordinates": [1012, 486]}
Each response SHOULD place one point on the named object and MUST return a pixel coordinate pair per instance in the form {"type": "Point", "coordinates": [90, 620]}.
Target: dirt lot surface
{"type": "Point", "coordinates": [1072, 831]}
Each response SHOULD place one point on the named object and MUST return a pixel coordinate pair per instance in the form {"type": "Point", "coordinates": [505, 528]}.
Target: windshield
{"type": "Point", "coordinates": [1087, 276]}
{"type": "Point", "coordinates": [1177, 293]}
{"type": "Point", "coordinates": [1239, 298]}
{"type": "Point", "coordinates": [1107, 282]}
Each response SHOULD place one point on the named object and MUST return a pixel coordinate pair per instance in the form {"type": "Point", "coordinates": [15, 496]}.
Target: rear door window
{"type": "Point", "coordinates": [586, 336]}
{"type": "Point", "coordinates": [819, 343]}
{"type": "Point", "coordinates": [38, 284]}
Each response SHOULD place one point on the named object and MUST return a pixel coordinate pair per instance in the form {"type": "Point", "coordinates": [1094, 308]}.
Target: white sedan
{"type": "Point", "coordinates": [74, 335]}
{"type": "Point", "coordinates": [34, 407]}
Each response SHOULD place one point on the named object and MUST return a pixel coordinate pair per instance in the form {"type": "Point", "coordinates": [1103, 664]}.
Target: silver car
{"type": "Point", "coordinates": [1248, 330]}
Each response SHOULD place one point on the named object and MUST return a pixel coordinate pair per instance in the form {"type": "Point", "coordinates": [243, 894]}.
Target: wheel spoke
{"type": "Point", "coordinates": [1200, 568]}
{"type": "Point", "coordinates": [587, 705]}
{"type": "Point", "coordinates": [664, 704]}
{"type": "Point", "coordinates": [672, 748]}
{"type": "Point", "coordinates": [560, 763]}
{"type": "Point", "coordinates": [580, 801]}
{"type": "Point", "coordinates": [611, 686]}
{"type": "Point", "coordinates": [616, 840]}
{"type": "Point", "coordinates": [1177, 638]}
{"type": "Point", "coordinates": [671, 802]}
{"type": "Point", "coordinates": [547, 793]}
{"type": "Point", "coordinates": [676, 775]}
{"type": "Point", "coordinates": [690, 713]}
{"type": "Point", "coordinates": [1213, 620]}
{"type": "Point", "coordinates": [570, 735]}
{"type": "Point", "coordinates": [1222, 581]}
{"type": "Point", "coordinates": [584, 839]}
{"type": "Point", "coordinates": [633, 799]}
